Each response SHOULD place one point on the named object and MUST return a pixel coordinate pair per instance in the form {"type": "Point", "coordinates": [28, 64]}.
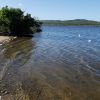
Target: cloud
{"type": "Point", "coordinates": [20, 4]}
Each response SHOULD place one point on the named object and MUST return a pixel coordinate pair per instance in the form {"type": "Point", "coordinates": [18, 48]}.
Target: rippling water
{"type": "Point", "coordinates": [61, 63]}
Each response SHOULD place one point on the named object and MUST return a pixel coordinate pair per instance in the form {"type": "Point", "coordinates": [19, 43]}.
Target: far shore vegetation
{"type": "Point", "coordinates": [13, 22]}
{"type": "Point", "coordinates": [76, 22]}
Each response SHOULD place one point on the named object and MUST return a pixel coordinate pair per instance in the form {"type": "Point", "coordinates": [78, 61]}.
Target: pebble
{"type": "Point", "coordinates": [0, 97]}
{"type": "Point", "coordinates": [5, 92]}
{"type": "Point", "coordinates": [15, 37]}
{"type": "Point", "coordinates": [8, 73]}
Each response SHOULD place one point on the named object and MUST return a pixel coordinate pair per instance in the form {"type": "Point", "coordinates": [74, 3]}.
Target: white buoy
{"type": "Point", "coordinates": [89, 41]}
{"type": "Point", "coordinates": [79, 35]}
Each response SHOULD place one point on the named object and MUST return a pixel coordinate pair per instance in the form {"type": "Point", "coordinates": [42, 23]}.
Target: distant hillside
{"type": "Point", "coordinates": [76, 22]}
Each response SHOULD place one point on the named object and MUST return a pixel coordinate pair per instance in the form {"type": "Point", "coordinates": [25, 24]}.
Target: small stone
{"type": "Point", "coordinates": [1, 91]}
{"type": "Point", "coordinates": [6, 92]}
{"type": "Point", "coordinates": [18, 89]}
{"type": "Point", "coordinates": [15, 37]}
{"type": "Point", "coordinates": [0, 97]}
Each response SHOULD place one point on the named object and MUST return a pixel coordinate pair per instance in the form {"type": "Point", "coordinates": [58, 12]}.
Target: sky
{"type": "Point", "coordinates": [57, 9]}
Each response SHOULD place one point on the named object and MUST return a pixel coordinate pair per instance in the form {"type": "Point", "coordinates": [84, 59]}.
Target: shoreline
{"type": "Point", "coordinates": [4, 39]}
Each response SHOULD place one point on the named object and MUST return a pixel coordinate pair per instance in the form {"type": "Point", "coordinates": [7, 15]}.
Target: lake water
{"type": "Point", "coordinates": [61, 63]}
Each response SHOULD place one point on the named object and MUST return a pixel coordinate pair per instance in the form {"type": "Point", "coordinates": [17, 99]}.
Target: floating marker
{"type": "Point", "coordinates": [79, 35]}
{"type": "Point", "coordinates": [89, 41]}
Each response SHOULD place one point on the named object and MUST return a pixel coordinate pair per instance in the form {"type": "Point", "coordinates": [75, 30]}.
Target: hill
{"type": "Point", "coordinates": [76, 22]}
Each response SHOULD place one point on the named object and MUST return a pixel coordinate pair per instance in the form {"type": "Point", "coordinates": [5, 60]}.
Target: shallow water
{"type": "Point", "coordinates": [61, 63]}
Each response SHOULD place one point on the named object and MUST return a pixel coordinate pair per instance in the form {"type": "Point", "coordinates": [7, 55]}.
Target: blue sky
{"type": "Point", "coordinates": [58, 9]}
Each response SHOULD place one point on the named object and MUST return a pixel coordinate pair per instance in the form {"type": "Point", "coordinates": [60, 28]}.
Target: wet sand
{"type": "Point", "coordinates": [4, 38]}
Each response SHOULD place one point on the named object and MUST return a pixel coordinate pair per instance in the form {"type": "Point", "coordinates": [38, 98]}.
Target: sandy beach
{"type": "Point", "coordinates": [5, 38]}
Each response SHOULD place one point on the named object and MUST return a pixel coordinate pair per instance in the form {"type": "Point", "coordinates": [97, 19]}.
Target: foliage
{"type": "Point", "coordinates": [13, 21]}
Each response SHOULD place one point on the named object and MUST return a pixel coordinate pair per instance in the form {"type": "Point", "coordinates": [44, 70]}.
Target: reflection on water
{"type": "Point", "coordinates": [58, 64]}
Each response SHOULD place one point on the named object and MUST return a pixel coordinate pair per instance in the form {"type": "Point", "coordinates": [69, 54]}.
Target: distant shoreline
{"type": "Point", "coordinates": [76, 22]}
{"type": "Point", "coordinates": [72, 25]}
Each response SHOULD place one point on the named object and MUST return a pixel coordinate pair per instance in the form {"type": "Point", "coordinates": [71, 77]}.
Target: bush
{"type": "Point", "coordinates": [13, 21]}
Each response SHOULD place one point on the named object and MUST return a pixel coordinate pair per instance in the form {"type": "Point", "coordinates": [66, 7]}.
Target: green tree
{"type": "Point", "coordinates": [13, 21]}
